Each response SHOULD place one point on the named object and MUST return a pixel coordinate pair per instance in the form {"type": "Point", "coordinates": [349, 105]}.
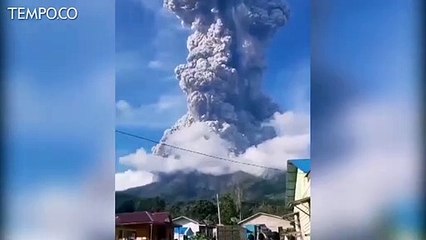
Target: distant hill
{"type": "Point", "coordinates": [189, 186]}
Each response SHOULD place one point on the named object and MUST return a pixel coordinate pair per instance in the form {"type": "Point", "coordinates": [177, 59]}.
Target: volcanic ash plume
{"type": "Point", "coordinates": [224, 70]}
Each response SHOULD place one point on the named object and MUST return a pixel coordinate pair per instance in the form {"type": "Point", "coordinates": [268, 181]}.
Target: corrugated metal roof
{"type": "Point", "coordinates": [302, 164]}
{"type": "Point", "coordinates": [186, 218]}
{"type": "Point", "coordinates": [290, 182]}
{"type": "Point", "coordinates": [161, 217]}
{"type": "Point", "coordinates": [292, 165]}
{"type": "Point", "coordinates": [256, 215]}
{"type": "Point", "coordinates": [133, 217]}
{"type": "Point", "coordinates": [142, 218]}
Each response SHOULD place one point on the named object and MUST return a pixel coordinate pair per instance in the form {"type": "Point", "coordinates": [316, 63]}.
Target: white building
{"type": "Point", "coordinates": [187, 223]}
{"type": "Point", "coordinates": [298, 197]}
{"type": "Point", "coordinates": [271, 221]}
{"type": "Point", "coordinates": [196, 227]}
{"type": "Point", "coordinates": [182, 233]}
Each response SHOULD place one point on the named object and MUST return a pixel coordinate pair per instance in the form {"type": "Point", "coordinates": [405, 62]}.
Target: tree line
{"type": "Point", "coordinates": [232, 209]}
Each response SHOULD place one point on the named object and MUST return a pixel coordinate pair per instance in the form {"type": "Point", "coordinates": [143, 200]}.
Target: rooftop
{"type": "Point", "coordinates": [302, 164]}
{"type": "Point", "coordinates": [257, 215]}
{"type": "Point", "coordinates": [142, 218]}
{"type": "Point", "coordinates": [199, 222]}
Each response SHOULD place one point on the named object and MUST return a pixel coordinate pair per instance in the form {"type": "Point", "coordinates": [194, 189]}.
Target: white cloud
{"type": "Point", "coordinates": [160, 114]}
{"type": "Point", "coordinates": [291, 123]}
{"type": "Point", "coordinates": [155, 64]}
{"type": "Point", "coordinates": [130, 179]}
{"type": "Point", "coordinates": [292, 142]}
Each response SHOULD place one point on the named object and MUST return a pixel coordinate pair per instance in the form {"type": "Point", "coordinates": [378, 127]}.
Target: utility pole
{"type": "Point", "coordinates": [241, 203]}
{"type": "Point", "coordinates": [218, 208]}
{"type": "Point", "coordinates": [239, 200]}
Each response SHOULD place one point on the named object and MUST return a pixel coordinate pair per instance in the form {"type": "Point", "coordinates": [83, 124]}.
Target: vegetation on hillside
{"type": "Point", "coordinates": [193, 195]}
{"type": "Point", "coordinates": [201, 210]}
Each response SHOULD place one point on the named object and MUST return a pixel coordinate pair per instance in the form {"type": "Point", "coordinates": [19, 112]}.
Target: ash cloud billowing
{"type": "Point", "coordinates": [223, 74]}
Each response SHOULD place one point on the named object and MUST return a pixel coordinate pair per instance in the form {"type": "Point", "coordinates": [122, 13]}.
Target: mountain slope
{"type": "Point", "coordinates": [187, 186]}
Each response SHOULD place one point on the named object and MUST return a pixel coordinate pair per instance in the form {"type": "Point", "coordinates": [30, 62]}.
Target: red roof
{"type": "Point", "coordinates": [161, 217]}
{"type": "Point", "coordinates": [142, 218]}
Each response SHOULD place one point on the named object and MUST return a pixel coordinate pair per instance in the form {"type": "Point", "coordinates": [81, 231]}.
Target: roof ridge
{"type": "Point", "coordinates": [149, 215]}
{"type": "Point", "coordinates": [259, 213]}
{"type": "Point", "coordinates": [187, 218]}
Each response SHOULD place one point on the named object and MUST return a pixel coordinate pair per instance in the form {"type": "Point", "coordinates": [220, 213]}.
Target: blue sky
{"type": "Point", "coordinates": [60, 81]}
{"type": "Point", "coordinates": [150, 42]}
{"type": "Point", "coordinates": [59, 108]}
{"type": "Point", "coordinates": [370, 52]}
{"type": "Point", "coordinates": [59, 103]}
{"type": "Point", "coordinates": [59, 117]}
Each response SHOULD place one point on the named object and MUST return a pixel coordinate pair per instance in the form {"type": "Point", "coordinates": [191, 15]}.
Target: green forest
{"type": "Point", "coordinates": [232, 210]}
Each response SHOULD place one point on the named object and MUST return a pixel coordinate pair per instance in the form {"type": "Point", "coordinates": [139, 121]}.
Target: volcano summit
{"type": "Point", "coordinates": [223, 74]}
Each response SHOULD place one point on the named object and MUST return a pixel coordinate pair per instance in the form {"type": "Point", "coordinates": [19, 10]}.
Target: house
{"type": "Point", "coordinates": [298, 197]}
{"type": "Point", "coordinates": [182, 233]}
{"type": "Point", "coordinates": [270, 221]}
{"type": "Point", "coordinates": [188, 223]}
{"type": "Point", "coordinates": [197, 227]}
{"type": "Point", "coordinates": [254, 231]}
{"type": "Point", "coordinates": [144, 225]}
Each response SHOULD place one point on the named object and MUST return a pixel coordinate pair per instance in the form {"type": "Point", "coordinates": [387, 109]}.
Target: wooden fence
{"type": "Point", "coordinates": [231, 233]}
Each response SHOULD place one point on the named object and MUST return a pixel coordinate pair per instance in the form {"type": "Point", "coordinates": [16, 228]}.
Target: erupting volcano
{"type": "Point", "coordinates": [223, 75]}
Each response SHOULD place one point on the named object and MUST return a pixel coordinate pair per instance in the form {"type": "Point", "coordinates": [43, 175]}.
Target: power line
{"type": "Point", "coordinates": [193, 151]}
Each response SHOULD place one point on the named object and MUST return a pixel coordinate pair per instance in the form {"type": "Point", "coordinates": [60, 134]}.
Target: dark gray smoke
{"type": "Point", "coordinates": [223, 74]}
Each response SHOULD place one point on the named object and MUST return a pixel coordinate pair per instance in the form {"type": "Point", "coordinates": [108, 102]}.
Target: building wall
{"type": "Point", "coordinates": [178, 236]}
{"type": "Point", "coordinates": [140, 230]}
{"type": "Point", "coordinates": [272, 223]}
{"type": "Point", "coordinates": [303, 190]}
{"type": "Point", "coordinates": [186, 223]}
{"type": "Point", "coordinates": [163, 232]}
{"type": "Point", "coordinates": [303, 185]}
{"type": "Point", "coordinates": [145, 230]}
